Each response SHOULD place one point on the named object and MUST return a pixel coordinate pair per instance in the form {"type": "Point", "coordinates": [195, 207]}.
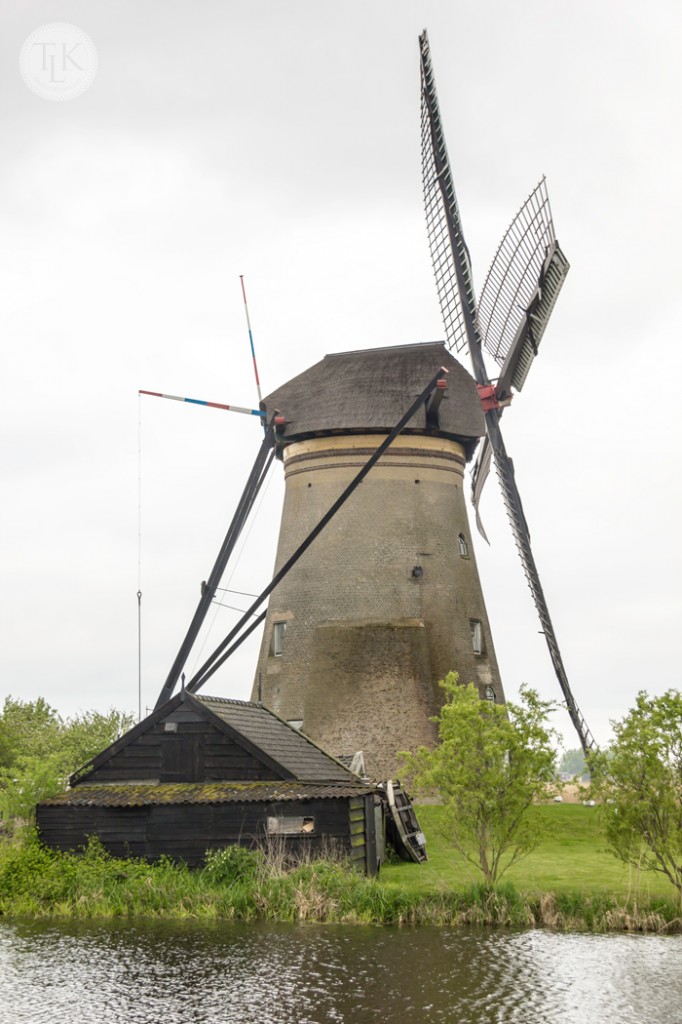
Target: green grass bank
{"type": "Point", "coordinates": [570, 883]}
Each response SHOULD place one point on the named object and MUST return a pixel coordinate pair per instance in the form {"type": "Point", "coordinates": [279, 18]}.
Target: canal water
{"type": "Point", "coordinates": [176, 973]}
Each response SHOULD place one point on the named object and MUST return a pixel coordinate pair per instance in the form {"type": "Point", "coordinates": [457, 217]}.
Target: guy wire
{"type": "Point", "coordinates": [139, 558]}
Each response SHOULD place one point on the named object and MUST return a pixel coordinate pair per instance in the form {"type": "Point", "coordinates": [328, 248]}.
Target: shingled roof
{"type": "Point", "coordinates": [368, 391]}
{"type": "Point", "coordinates": [291, 749]}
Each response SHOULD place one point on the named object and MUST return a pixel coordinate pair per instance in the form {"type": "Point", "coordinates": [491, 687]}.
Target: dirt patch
{"type": "Point", "coordinates": [571, 793]}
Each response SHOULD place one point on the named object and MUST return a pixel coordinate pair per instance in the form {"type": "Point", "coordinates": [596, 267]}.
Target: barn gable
{"type": "Point", "coordinates": [211, 739]}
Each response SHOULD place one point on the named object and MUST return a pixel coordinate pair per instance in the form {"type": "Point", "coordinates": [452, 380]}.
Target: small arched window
{"type": "Point", "coordinates": [278, 631]}
{"type": "Point", "coordinates": [490, 695]}
{"type": "Point", "coordinates": [476, 635]}
{"type": "Point", "coordinates": [463, 546]}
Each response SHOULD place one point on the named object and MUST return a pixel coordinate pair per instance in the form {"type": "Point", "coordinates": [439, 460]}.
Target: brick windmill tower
{"type": "Point", "coordinates": [387, 600]}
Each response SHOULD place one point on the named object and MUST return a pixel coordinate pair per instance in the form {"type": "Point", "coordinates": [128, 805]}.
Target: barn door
{"type": "Point", "coordinates": [182, 758]}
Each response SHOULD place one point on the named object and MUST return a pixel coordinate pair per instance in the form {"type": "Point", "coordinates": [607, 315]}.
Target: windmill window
{"type": "Point", "coordinates": [476, 635]}
{"type": "Point", "coordinates": [278, 631]}
{"type": "Point", "coordinates": [290, 825]}
{"type": "Point", "coordinates": [490, 695]}
{"type": "Point", "coordinates": [463, 546]}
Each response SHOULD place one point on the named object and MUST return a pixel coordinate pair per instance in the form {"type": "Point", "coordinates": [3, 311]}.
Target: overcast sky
{"type": "Point", "coordinates": [280, 140]}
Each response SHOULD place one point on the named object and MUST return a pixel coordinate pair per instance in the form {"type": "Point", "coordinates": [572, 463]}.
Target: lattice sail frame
{"type": "Point", "coordinates": [454, 285]}
{"type": "Point", "coordinates": [513, 274]}
{"type": "Point", "coordinates": [521, 288]}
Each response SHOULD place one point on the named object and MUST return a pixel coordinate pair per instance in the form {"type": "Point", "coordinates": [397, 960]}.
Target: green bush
{"type": "Point", "coordinates": [233, 864]}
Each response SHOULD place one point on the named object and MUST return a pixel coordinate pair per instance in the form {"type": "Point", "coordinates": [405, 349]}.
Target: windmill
{"type": "Point", "coordinates": [358, 631]}
{"type": "Point", "coordinates": [509, 321]}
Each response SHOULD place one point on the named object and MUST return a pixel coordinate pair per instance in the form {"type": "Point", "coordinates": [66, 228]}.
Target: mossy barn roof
{"type": "Point", "coordinates": [160, 794]}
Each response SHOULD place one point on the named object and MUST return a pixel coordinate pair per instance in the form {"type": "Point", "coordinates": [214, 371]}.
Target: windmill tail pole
{"type": "Point", "coordinates": [256, 477]}
{"type": "Point", "coordinates": [218, 657]}
{"type": "Point", "coordinates": [211, 405]}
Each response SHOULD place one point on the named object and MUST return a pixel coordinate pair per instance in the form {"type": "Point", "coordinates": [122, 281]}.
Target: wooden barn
{"type": "Point", "coordinates": [205, 772]}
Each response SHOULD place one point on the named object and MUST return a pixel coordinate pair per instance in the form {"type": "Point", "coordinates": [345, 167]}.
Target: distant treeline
{"type": "Point", "coordinates": [39, 750]}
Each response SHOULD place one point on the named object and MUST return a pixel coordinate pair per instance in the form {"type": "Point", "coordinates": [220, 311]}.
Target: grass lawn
{"type": "Point", "coordinates": [573, 856]}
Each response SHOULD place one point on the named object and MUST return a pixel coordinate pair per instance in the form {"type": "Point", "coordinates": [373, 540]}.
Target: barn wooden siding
{"type": "Point", "coordinates": [343, 826]}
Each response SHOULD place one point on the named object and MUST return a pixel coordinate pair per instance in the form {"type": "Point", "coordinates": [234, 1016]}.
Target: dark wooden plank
{"type": "Point", "coordinates": [134, 773]}
{"type": "Point", "coordinates": [186, 831]}
{"type": "Point", "coordinates": [137, 753]}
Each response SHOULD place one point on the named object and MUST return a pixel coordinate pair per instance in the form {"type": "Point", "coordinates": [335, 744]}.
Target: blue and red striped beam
{"type": "Point", "coordinates": [211, 405]}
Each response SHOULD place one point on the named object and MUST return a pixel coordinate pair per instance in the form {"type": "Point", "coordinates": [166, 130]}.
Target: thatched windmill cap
{"type": "Point", "coordinates": [367, 392]}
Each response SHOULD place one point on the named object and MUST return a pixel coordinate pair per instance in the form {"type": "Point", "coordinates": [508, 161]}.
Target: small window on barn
{"type": "Point", "coordinates": [476, 635]}
{"type": "Point", "coordinates": [463, 546]}
{"type": "Point", "coordinates": [290, 826]}
{"type": "Point", "coordinates": [490, 695]}
{"type": "Point", "coordinates": [278, 631]}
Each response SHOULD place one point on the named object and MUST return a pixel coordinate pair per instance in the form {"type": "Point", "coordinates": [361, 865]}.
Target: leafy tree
{"type": "Point", "coordinates": [29, 780]}
{"type": "Point", "coordinates": [85, 735]}
{"type": "Point", "coordinates": [573, 762]}
{"type": "Point", "coordinates": [39, 751]}
{"type": "Point", "coordinates": [26, 728]}
{"type": "Point", "coordinates": [638, 781]}
{"type": "Point", "coordinates": [491, 763]}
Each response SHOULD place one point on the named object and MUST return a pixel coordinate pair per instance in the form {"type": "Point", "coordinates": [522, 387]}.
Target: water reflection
{"type": "Point", "coordinates": [76, 973]}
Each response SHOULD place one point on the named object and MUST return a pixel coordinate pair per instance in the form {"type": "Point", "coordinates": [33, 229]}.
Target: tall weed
{"type": "Point", "coordinates": [246, 885]}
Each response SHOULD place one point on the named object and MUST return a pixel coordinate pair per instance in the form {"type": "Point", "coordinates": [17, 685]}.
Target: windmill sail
{"type": "Point", "coordinates": [449, 253]}
{"type": "Point", "coordinates": [454, 284]}
{"type": "Point", "coordinates": [479, 475]}
{"type": "Point", "coordinates": [517, 300]}
{"type": "Point", "coordinates": [521, 288]}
